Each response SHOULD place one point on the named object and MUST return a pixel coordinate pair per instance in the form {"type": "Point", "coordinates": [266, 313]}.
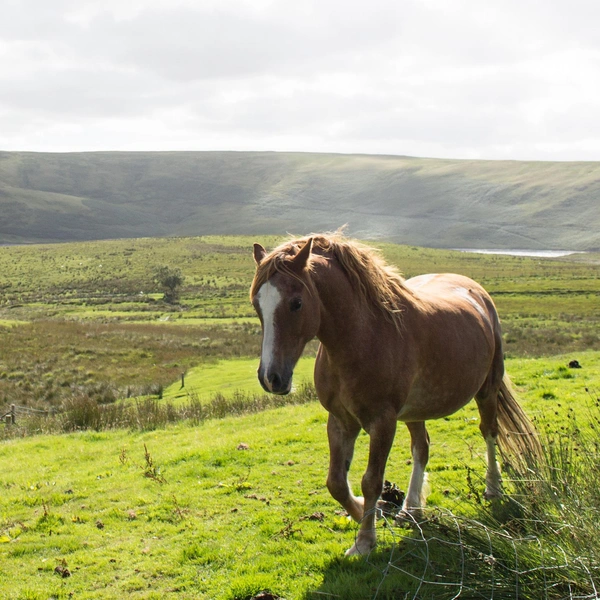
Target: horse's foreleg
{"type": "Point", "coordinates": [381, 438]}
{"type": "Point", "coordinates": [342, 436]}
{"type": "Point", "coordinates": [419, 445]}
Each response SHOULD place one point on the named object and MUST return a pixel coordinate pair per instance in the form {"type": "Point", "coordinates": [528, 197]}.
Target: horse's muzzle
{"type": "Point", "coordinates": [274, 382]}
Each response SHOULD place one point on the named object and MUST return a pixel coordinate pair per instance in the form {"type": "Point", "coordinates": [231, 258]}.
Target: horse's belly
{"type": "Point", "coordinates": [431, 399]}
{"type": "Point", "coordinates": [419, 409]}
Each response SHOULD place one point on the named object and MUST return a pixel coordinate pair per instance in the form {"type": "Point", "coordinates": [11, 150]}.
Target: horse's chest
{"type": "Point", "coordinates": [360, 390]}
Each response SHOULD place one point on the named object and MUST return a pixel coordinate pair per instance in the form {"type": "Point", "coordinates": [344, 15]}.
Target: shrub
{"type": "Point", "coordinates": [170, 280]}
{"type": "Point", "coordinates": [81, 412]}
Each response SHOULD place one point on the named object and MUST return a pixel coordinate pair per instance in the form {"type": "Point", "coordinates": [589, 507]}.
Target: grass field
{"type": "Point", "coordinates": [89, 317]}
{"type": "Point", "coordinates": [189, 512]}
{"type": "Point", "coordinates": [192, 506]}
{"type": "Point", "coordinates": [227, 377]}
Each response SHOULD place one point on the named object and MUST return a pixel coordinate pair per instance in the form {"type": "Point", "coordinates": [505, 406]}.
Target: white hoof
{"type": "Point", "coordinates": [409, 516]}
{"type": "Point", "coordinates": [362, 546]}
{"type": "Point", "coordinates": [357, 550]}
{"type": "Point", "coordinates": [491, 493]}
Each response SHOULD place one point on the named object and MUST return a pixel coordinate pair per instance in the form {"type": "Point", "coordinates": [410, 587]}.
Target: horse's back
{"type": "Point", "coordinates": [441, 284]}
{"type": "Point", "coordinates": [453, 292]}
{"type": "Point", "coordinates": [458, 330]}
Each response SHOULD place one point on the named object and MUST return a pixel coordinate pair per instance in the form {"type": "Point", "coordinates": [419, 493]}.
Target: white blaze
{"type": "Point", "coordinates": [268, 300]}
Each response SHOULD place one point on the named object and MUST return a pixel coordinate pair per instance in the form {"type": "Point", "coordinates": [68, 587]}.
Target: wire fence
{"type": "Point", "coordinates": [10, 417]}
{"type": "Point", "coordinates": [443, 556]}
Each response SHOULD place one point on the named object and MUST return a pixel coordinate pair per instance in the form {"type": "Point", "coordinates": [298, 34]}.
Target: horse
{"type": "Point", "coordinates": [391, 349]}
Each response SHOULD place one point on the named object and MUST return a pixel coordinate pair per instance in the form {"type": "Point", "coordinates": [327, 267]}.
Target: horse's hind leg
{"type": "Point", "coordinates": [342, 436]}
{"type": "Point", "coordinates": [487, 402]}
{"type": "Point", "coordinates": [419, 445]}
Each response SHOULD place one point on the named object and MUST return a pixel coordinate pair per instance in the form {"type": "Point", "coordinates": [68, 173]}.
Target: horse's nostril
{"type": "Point", "coordinates": [275, 381]}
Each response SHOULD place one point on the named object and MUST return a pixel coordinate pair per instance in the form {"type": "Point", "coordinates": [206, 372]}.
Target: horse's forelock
{"type": "Point", "coordinates": [278, 260]}
{"type": "Point", "coordinates": [378, 284]}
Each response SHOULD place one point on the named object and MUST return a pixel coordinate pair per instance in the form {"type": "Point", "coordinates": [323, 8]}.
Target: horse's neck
{"type": "Point", "coordinates": [344, 322]}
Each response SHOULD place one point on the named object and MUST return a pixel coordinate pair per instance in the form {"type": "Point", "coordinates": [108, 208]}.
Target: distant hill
{"type": "Point", "coordinates": [419, 201]}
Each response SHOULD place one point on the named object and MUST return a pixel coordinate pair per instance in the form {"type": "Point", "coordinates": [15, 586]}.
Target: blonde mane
{"type": "Point", "coordinates": [378, 285]}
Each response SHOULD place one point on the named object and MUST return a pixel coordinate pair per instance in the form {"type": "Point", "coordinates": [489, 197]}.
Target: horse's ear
{"type": "Point", "coordinates": [300, 261]}
{"type": "Point", "coordinates": [259, 253]}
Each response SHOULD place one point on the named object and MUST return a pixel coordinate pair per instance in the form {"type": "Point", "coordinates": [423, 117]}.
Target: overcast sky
{"type": "Point", "coordinates": [514, 79]}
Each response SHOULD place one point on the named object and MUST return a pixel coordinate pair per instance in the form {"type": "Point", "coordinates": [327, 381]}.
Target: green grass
{"type": "Point", "coordinates": [228, 377]}
{"type": "Point", "coordinates": [204, 518]}
{"type": "Point", "coordinates": [212, 528]}
{"type": "Point", "coordinates": [552, 381]}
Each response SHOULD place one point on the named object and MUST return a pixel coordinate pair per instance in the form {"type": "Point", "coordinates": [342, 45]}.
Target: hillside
{"type": "Point", "coordinates": [429, 202]}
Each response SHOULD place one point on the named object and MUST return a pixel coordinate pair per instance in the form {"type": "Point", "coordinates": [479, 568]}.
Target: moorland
{"type": "Point", "coordinates": [202, 489]}
{"type": "Point", "coordinates": [90, 317]}
{"type": "Point", "coordinates": [421, 201]}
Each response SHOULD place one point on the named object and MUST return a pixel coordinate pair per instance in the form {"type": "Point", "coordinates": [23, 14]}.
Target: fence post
{"type": "Point", "coordinates": [12, 414]}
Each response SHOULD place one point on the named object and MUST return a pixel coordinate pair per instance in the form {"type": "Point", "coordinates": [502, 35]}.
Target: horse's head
{"type": "Point", "coordinates": [287, 305]}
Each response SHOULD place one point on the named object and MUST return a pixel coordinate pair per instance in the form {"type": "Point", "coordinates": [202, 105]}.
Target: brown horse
{"type": "Point", "coordinates": [391, 350]}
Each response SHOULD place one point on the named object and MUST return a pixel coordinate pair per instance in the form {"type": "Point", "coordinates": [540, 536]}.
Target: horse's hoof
{"type": "Point", "coordinates": [360, 549]}
{"type": "Point", "coordinates": [363, 545]}
{"type": "Point", "coordinates": [408, 517]}
{"type": "Point", "coordinates": [492, 493]}
{"type": "Point", "coordinates": [353, 551]}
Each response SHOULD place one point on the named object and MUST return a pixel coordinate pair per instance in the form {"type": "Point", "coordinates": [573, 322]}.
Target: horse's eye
{"type": "Point", "coordinates": [296, 304]}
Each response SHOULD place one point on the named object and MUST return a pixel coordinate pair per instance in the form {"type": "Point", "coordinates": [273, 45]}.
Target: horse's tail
{"type": "Point", "coordinates": [517, 435]}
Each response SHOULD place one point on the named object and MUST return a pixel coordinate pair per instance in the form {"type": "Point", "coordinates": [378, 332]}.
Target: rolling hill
{"type": "Point", "coordinates": [428, 202]}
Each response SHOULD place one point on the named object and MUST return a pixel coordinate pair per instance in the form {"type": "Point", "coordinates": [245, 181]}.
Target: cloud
{"type": "Point", "coordinates": [490, 80]}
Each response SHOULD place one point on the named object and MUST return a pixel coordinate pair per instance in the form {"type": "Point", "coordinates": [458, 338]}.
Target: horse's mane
{"type": "Point", "coordinates": [379, 286]}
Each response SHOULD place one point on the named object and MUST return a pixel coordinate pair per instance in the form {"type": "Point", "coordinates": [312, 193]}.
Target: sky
{"type": "Point", "coordinates": [472, 79]}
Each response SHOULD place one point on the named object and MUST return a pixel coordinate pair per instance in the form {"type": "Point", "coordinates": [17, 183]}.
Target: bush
{"type": "Point", "coordinates": [170, 280]}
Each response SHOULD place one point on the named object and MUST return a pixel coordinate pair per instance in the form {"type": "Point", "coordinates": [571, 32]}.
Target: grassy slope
{"type": "Point", "coordinates": [208, 532]}
{"type": "Point", "coordinates": [226, 523]}
{"type": "Point", "coordinates": [72, 317]}
{"type": "Point", "coordinates": [228, 377]}
{"type": "Point", "coordinates": [442, 203]}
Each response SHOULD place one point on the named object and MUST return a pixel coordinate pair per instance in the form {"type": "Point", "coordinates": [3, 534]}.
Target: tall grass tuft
{"type": "Point", "coordinates": [566, 505]}
{"type": "Point", "coordinates": [81, 412]}
{"type": "Point", "coordinates": [538, 542]}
